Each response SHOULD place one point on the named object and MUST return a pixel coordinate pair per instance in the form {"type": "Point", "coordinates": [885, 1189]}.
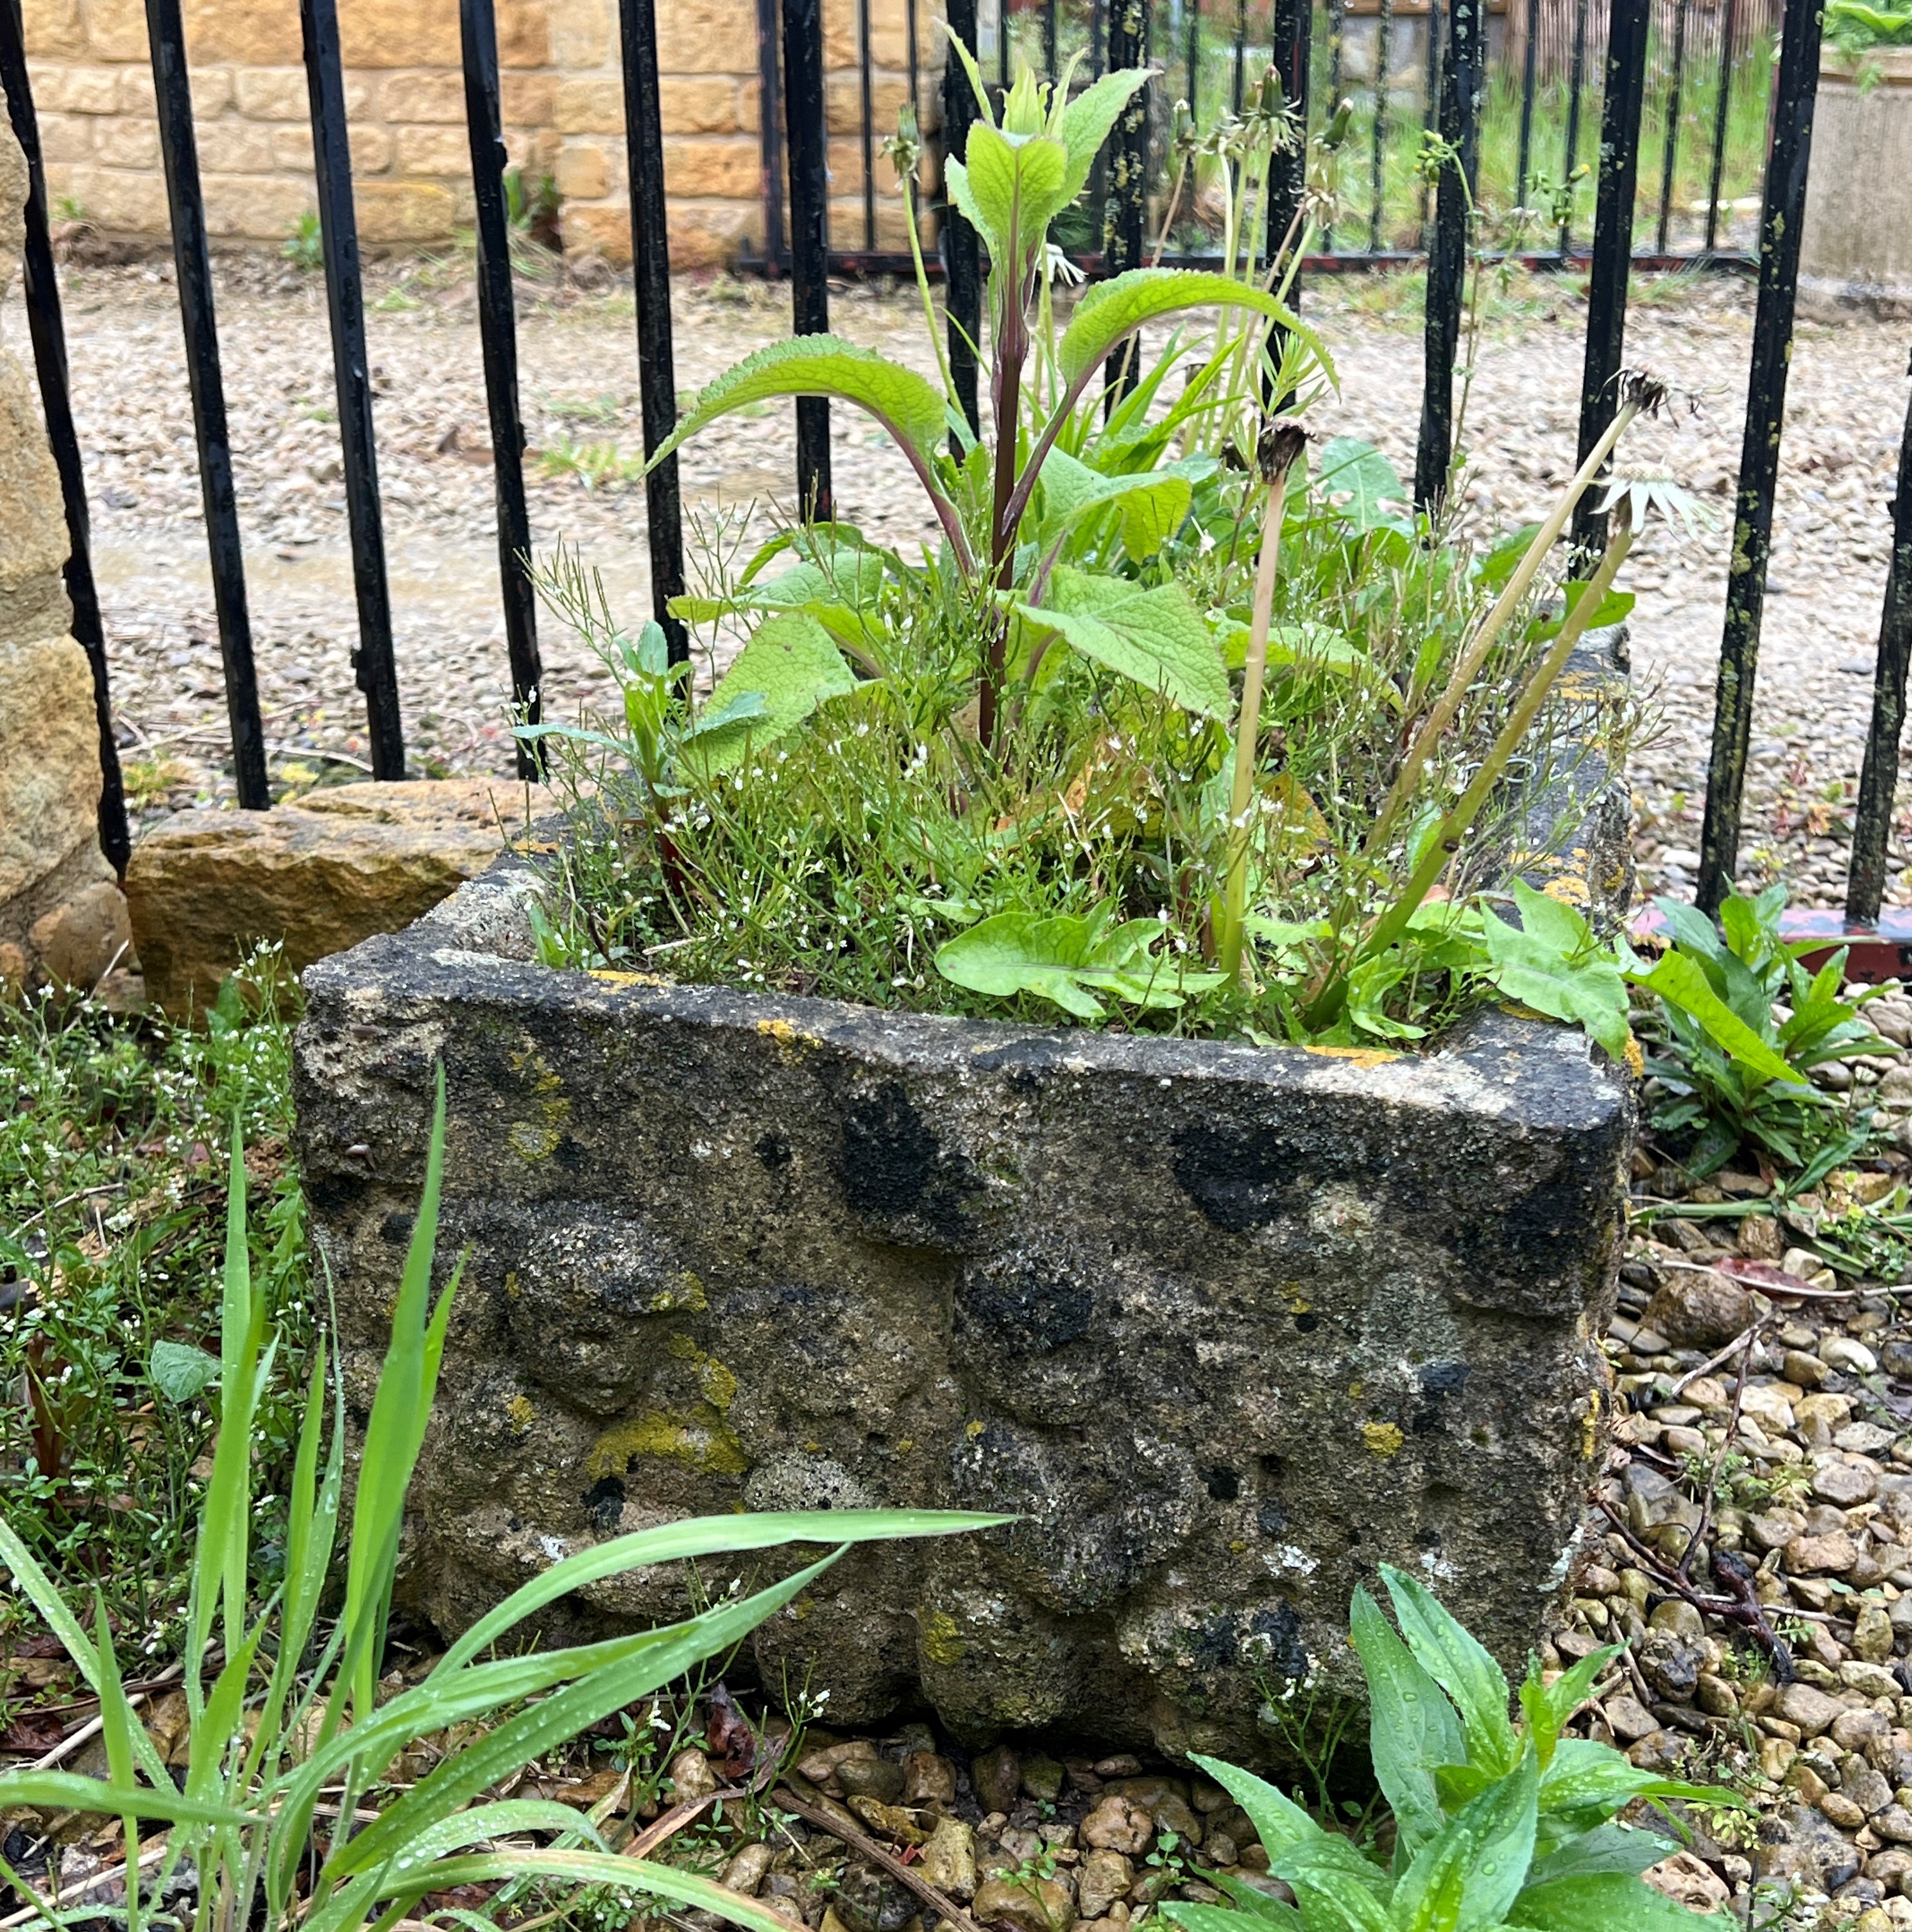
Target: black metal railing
{"type": "Point", "coordinates": [1463, 65]}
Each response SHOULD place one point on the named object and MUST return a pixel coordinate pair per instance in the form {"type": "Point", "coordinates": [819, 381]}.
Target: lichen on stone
{"type": "Point", "coordinates": [942, 1642]}
{"type": "Point", "coordinates": [698, 1438]}
{"type": "Point", "coordinates": [1383, 1439]}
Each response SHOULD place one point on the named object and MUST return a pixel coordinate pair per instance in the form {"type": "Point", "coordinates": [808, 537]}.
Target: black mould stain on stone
{"type": "Point", "coordinates": [774, 1150]}
{"type": "Point", "coordinates": [604, 1503]}
{"type": "Point", "coordinates": [1021, 1307]}
{"type": "Point", "coordinates": [1438, 1381]}
{"type": "Point", "coordinates": [1274, 1637]}
{"type": "Point", "coordinates": [1237, 1176]}
{"type": "Point", "coordinates": [1224, 1485]}
{"type": "Point", "coordinates": [395, 1230]}
{"type": "Point", "coordinates": [889, 1153]}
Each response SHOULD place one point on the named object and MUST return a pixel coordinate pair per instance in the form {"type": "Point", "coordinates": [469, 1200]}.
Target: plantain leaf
{"type": "Point", "coordinates": [1063, 957]}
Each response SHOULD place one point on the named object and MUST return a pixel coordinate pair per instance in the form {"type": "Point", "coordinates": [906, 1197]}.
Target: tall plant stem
{"type": "Point", "coordinates": [1436, 725]}
{"type": "Point", "coordinates": [923, 288]}
{"type": "Point", "coordinates": [1393, 923]}
{"type": "Point", "coordinates": [1234, 892]}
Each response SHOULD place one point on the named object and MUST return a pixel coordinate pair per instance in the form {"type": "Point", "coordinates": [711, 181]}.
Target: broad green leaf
{"type": "Point", "coordinates": [1431, 1895]}
{"type": "Point", "coordinates": [1682, 983]}
{"type": "Point", "coordinates": [180, 1373]}
{"type": "Point", "coordinates": [1549, 962]}
{"type": "Point", "coordinates": [1360, 485]}
{"type": "Point", "coordinates": [907, 405]}
{"type": "Point", "coordinates": [1608, 1902]}
{"type": "Point", "coordinates": [1279, 1821]}
{"type": "Point", "coordinates": [1460, 1666]}
{"type": "Point", "coordinates": [1549, 1706]}
{"type": "Point", "coordinates": [1153, 504]}
{"type": "Point", "coordinates": [1335, 1885]}
{"type": "Point", "coordinates": [1018, 180]}
{"type": "Point", "coordinates": [1499, 1825]}
{"type": "Point", "coordinates": [1411, 1727]}
{"type": "Point", "coordinates": [1087, 119]}
{"type": "Point", "coordinates": [1112, 310]}
{"type": "Point", "coordinates": [1309, 645]}
{"type": "Point", "coordinates": [1155, 636]}
{"type": "Point", "coordinates": [1607, 1848]}
{"type": "Point", "coordinates": [849, 579]}
{"type": "Point", "coordinates": [1061, 957]}
{"type": "Point", "coordinates": [1587, 1783]}
{"type": "Point", "coordinates": [792, 665]}
{"type": "Point", "coordinates": [1613, 608]}
{"type": "Point", "coordinates": [1243, 1918]}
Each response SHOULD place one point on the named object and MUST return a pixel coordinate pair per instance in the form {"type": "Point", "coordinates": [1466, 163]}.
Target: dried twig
{"type": "Point", "coordinates": [1712, 1495]}
{"type": "Point", "coordinates": [676, 1819]}
{"type": "Point", "coordinates": [1706, 1367]}
{"type": "Point", "coordinates": [813, 1815]}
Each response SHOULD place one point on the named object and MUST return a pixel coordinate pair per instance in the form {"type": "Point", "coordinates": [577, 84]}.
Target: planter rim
{"type": "Point", "coordinates": [1891, 67]}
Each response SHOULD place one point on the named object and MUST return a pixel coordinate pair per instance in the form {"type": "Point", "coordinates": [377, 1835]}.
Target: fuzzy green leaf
{"type": "Point", "coordinates": [1087, 119]}
{"type": "Point", "coordinates": [908, 407]}
{"type": "Point", "coordinates": [1156, 636]}
{"type": "Point", "coordinates": [1682, 981]}
{"type": "Point", "coordinates": [180, 1373]}
{"type": "Point", "coordinates": [792, 665]}
{"type": "Point", "coordinates": [1153, 503]}
{"type": "Point", "coordinates": [1255, 1910]}
{"type": "Point", "coordinates": [1061, 957]}
{"type": "Point", "coordinates": [1411, 1727]}
{"type": "Point", "coordinates": [1112, 309]}
{"type": "Point", "coordinates": [1551, 962]}
{"type": "Point", "coordinates": [1016, 182]}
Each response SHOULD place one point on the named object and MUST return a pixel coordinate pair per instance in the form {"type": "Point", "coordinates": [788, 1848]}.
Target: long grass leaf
{"type": "Point", "coordinates": [68, 1791]}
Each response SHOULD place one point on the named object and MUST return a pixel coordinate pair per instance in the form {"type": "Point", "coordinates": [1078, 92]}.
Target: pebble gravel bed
{"type": "Point", "coordinates": [578, 376]}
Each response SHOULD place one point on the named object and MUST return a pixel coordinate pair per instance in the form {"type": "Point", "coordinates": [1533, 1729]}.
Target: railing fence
{"type": "Point", "coordinates": [1467, 94]}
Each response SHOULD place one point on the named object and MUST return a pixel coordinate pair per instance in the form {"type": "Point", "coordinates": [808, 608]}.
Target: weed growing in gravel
{"type": "Point", "coordinates": [1184, 719]}
{"type": "Point", "coordinates": [111, 1167]}
{"type": "Point", "coordinates": [304, 246]}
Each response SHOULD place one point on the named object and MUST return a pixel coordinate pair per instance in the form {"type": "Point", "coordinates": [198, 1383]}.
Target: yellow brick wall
{"type": "Point", "coordinates": [562, 106]}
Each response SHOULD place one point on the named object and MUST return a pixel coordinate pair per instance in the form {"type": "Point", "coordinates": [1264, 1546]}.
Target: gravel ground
{"type": "Point", "coordinates": [578, 377]}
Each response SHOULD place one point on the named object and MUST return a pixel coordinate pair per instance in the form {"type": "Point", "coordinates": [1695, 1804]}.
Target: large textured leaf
{"type": "Point", "coordinates": [903, 402]}
{"type": "Point", "coordinates": [1411, 1727]}
{"type": "Point", "coordinates": [1156, 636]}
{"type": "Point", "coordinates": [1062, 957]}
{"type": "Point", "coordinates": [1500, 1826]}
{"type": "Point", "coordinates": [1087, 119]}
{"type": "Point", "coordinates": [178, 1372]}
{"type": "Point", "coordinates": [1279, 1821]}
{"type": "Point", "coordinates": [1682, 983]}
{"type": "Point", "coordinates": [1460, 1666]}
{"type": "Point", "coordinates": [1608, 1902]}
{"type": "Point", "coordinates": [1359, 484]}
{"type": "Point", "coordinates": [1549, 962]}
{"type": "Point", "coordinates": [1114, 309]}
{"type": "Point", "coordinates": [792, 665]}
{"type": "Point", "coordinates": [1153, 503]}
{"type": "Point", "coordinates": [1017, 184]}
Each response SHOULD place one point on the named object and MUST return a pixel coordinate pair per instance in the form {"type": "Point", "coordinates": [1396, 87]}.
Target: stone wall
{"type": "Point", "coordinates": [562, 104]}
{"type": "Point", "coordinates": [61, 916]}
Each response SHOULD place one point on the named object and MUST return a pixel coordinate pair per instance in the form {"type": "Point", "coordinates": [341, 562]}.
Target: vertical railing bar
{"type": "Point", "coordinates": [1194, 62]}
{"type": "Point", "coordinates": [1430, 116]}
{"type": "Point", "coordinates": [912, 56]}
{"type": "Point", "coordinates": [1878, 778]}
{"type": "Point", "coordinates": [1623, 101]}
{"type": "Point", "coordinates": [769, 92]}
{"type": "Point", "coordinates": [1241, 52]}
{"type": "Point", "coordinates": [1447, 262]}
{"type": "Point", "coordinates": [193, 267]}
{"type": "Point", "coordinates": [962, 257]}
{"type": "Point", "coordinates": [345, 308]}
{"type": "Point", "coordinates": [1576, 82]}
{"type": "Point", "coordinates": [1287, 173]}
{"type": "Point", "coordinates": [498, 331]}
{"type": "Point", "coordinates": [1099, 173]}
{"type": "Point", "coordinates": [809, 238]}
{"type": "Point", "coordinates": [1052, 51]}
{"type": "Point", "coordinates": [1384, 54]}
{"type": "Point", "coordinates": [1529, 79]}
{"type": "Point", "coordinates": [40, 288]}
{"type": "Point", "coordinates": [1125, 211]}
{"type": "Point", "coordinates": [868, 132]}
{"type": "Point", "coordinates": [1729, 26]}
{"type": "Point", "coordinates": [650, 274]}
{"type": "Point", "coordinates": [1002, 43]}
{"type": "Point", "coordinates": [1672, 153]}
{"type": "Point", "coordinates": [1781, 222]}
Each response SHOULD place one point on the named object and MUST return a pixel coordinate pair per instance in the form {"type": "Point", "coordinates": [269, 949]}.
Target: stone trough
{"type": "Point", "coordinates": [1227, 1327]}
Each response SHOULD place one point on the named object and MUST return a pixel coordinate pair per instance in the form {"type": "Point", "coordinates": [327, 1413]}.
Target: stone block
{"type": "Point", "coordinates": [1224, 1326]}
{"type": "Point", "coordinates": [254, 207]}
{"type": "Point", "coordinates": [33, 537]}
{"type": "Point", "coordinates": [371, 147]}
{"type": "Point", "coordinates": [50, 773]}
{"type": "Point", "coordinates": [116, 29]}
{"type": "Point", "coordinates": [531, 100]}
{"type": "Point", "coordinates": [582, 172]}
{"type": "Point", "coordinates": [402, 33]}
{"type": "Point", "coordinates": [601, 229]}
{"type": "Point", "coordinates": [76, 90]}
{"type": "Point", "coordinates": [706, 37]}
{"type": "Point", "coordinates": [84, 938]}
{"type": "Point", "coordinates": [431, 151]}
{"type": "Point", "coordinates": [129, 201]}
{"type": "Point", "coordinates": [523, 34]}
{"type": "Point", "coordinates": [709, 234]}
{"type": "Point", "coordinates": [254, 34]}
{"type": "Point", "coordinates": [290, 148]}
{"type": "Point", "coordinates": [593, 104]}
{"type": "Point", "coordinates": [1855, 248]}
{"type": "Point", "coordinates": [55, 29]}
{"type": "Point", "coordinates": [434, 97]}
{"type": "Point", "coordinates": [66, 137]}
{"type": "Point", "coordinates": [727, 168]}
{"type": "Point", "coordinates": [843, 100]}
{"type": "Point", "coordinates": [703, 107]}
{"type": "Point", "coordinates": [272, 94]}
{"type": "Point", "coordinates": [582, 35]}
{"type": "Point", "coordinates": [243, 147]}
{"type": "Point", "coordinates": [404, 212]}
{"type": "Point", "coordinates": [206, 886]}
{"type": "Point", "coordinates": [121, 141]}
{"type": "Point", "coordinates": [136, 96]}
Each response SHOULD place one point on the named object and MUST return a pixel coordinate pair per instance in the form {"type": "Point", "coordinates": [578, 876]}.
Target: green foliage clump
{"type": "Point", "coordinates": [1854, 27]}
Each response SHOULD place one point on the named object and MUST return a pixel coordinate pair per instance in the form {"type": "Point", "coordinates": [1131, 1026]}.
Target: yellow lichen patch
{"type": "Point", "coordinates": [904, 1445]}
{"type": "Point", "coordinates": [972, 1430]}
{"type": "Point", "coordinates": [1569, 889]}
{"type": "Point", "coordinates": [1297, 1302]}
{"type": "Point", "coordinates": [688, 1297]}
{"type": "Point", "coordinates": [942, 1641]}
{"type": "Point", "coordinates": [1383, 1439]}
{"type": "Point", "coordinates": [791, 1041]}
{"type": "Point", "coordinates": [1589, 1434]}
{"type": "Point", "coordinates": [609, 975]}
{"type": "Point", "coordinates": [512, 1291]}
{"type": "Point", "coordinates": [521, 1413]}
{"type": "Point", "coordinates": [697, 1438]}
{"type": "Point", "coordinates": [1361, 1056]}
{"type": "Point", "coordinates": [532, 1143]}
{"type": "Point", "coordinates": [718, 1384]}
{"type": "Point", "coordinates": [1636, 1060]}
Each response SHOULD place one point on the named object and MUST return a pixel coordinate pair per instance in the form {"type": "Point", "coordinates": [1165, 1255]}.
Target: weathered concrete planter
{"type": "Point", "coordinates": [1228, 1326]}
{"type": "Point", "coordinates": [1856, 248]}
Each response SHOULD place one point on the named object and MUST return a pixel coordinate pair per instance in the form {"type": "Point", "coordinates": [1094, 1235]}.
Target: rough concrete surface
{"type": "Point", "coordinates": [1225, 1328]}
